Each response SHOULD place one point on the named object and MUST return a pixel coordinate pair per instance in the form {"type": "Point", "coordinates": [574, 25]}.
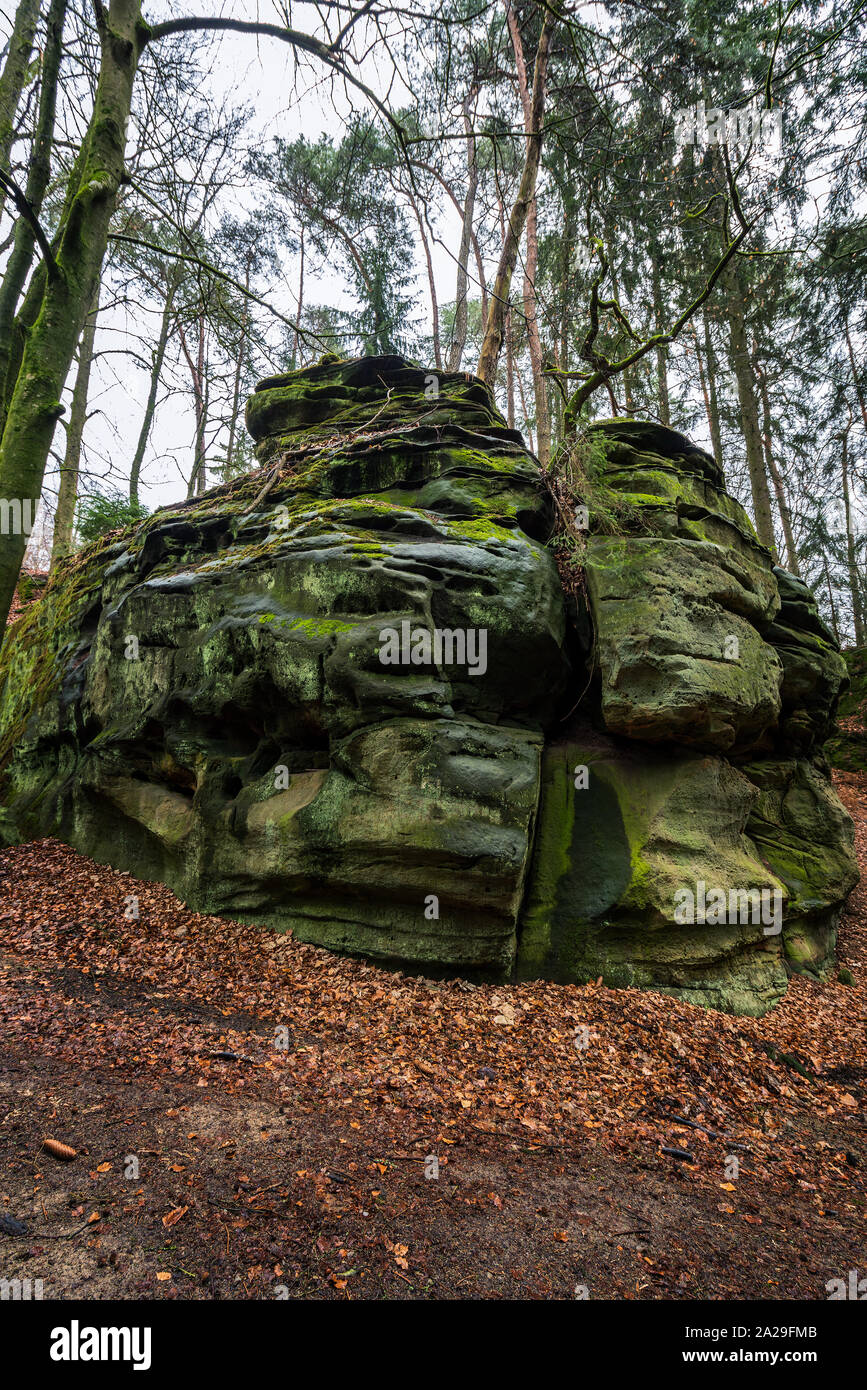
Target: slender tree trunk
{"type": "Point", "coordinates": [435, 312]}
{"type": "Point", "coordinates": [197, 377]}
{"type": "Point", "coordinates": [509, 345]}
{"type": "Point", "coordinates": [499, 297]}
{"type": "Point", "coordinates": [527, 427]}
{"type": "Point", "coordinates": [531, 262]}
{"type": "Point", "coordinates": [785, 513]}
{"type": "Point", "coordinates": [13, 79]}
{"type": "Point", "coordinates": [742, 368]}
{"type": "Point", "coordinates": [50, 343]}
{"type": "Point", "coordinates": [157, 360]}
{"type": "Point", "coordinates": [834, 625]}
{"type": "Point", "coordinates": [773, 470]}
{"type": "Point", "coordinates": [534, 341]}
{"type": "Point", "coordinates": [295, 344]}
{"type": "Point", "coordinates": [477, 251]}
{"type": "Point", "coordinates": [68, 492]}
{"type": "Point", "coordinates": [191, 481]}
{"type": "Point", "coordinates": [712, 390]}
{"type": "Point", "coordinates": [855, 379]}
{"type": "Point", "coordinates": [239, 376]}
{"type": "Point", "coordinates": [459, 338]}
{"type": "Point", "coordinates": [851, 558]}
{"type": "Point", "coordinates": [201, 443]}
{"type": "Point", "coordinates": [701, 375]}
{"type": "Point", "coordinates": [38, 175]}
{"type": "Point", "coordinates": [564, 324]}
{"type": "Point", "coordinates": [204, 384]}
{"type": "Point", "coordinates": [510, 374]}
{"type": "Point", "coordinates": [628, 395]}
{"type": "Point", "coordinates": [664, 403]}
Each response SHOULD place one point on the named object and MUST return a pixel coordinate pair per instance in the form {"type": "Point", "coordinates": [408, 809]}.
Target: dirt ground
{"type": "Point", "coordinates": [255, 1118]}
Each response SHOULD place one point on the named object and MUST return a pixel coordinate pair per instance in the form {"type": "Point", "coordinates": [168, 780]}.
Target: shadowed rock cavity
{"type": "Point", "coordinates": [203, 700]}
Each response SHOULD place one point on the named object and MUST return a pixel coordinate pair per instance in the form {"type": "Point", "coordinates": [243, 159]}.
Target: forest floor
{"type": "Point", "coordinates": [283, 1107]}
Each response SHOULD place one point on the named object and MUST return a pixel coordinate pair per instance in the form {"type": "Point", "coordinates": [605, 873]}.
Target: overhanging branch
{"type": "Point", "coordinates": [27, 212]}
{"type": "Point", "coordinates": [305, 42]}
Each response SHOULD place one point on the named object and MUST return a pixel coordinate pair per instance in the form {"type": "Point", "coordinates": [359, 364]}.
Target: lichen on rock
{"type": "Point", "coordinates": [203, 699]}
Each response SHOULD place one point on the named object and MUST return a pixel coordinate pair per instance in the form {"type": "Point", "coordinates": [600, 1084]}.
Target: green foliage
{"type": "Point", "coordinates": [101, 512]}
{"type": "Point", "coordinates": [341, 194]}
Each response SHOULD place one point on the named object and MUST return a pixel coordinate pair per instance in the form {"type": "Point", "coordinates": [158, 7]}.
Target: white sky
{"type": "Point", "coordinates": [288, 102]}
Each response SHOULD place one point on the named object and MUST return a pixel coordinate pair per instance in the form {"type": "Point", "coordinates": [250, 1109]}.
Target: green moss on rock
{"type": "Point", "coordinates": [254, 752]}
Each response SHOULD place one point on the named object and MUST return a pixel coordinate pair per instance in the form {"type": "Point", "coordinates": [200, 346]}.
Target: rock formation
{"type": "Point", "coordinates": [345, 694]}
{"type": "Point", "coordinates": [847, 749]}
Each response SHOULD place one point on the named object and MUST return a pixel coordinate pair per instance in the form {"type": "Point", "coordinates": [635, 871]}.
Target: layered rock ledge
{"type": "Point", "coordinates": [345, 695]}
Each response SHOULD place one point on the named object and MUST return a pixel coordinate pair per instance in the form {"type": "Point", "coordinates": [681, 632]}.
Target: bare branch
{"type": "Point", "coordinates": [27, 212]}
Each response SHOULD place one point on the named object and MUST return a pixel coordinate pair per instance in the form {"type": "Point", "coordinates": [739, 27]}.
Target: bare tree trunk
{"type": "Point", "coordinates": [435, 312]}
{"type": "Point", "coordinates": [510, 374]}
{"type": "Point", "coordinates": [509, 345]}
{"type": "Point", "coordinates": [855, 381]}
{"type": "Point", "coordinates": [662, 350]}
{"type": "Point", "coordinates": [201, 441]}
{"type": "Point", "coordinates": [531, 262]}
{"type": "Point", "coordinates": [499, 297]}
{"type": "Point", "coordinates": [776, 476]}
{"type": "Point", "coordinates": [851, 558]}
{"type": "Point", "coordinates": [239, 376]}
{"type": "Point", "coordinates": [300, 306]}
{"type": "Point", "coordinates": [460, 210]}
{"type": "Point", "coordinates": [834, 625]}
{"type": "Point", "coordinates": [628, 395]}
{"type": "Point", "coordinates": [13, 78]}
{"type": "Point", "coordinates": [38, 175]}
{"type": "Point", "coordinates": [561, 359]}
{"type": "Point", "coordinates": [197, 369]}
{"type": "Point", "coordinates": [459, 338]}
{"type": "Point", "coordinates": [534, 341]}
{"type": "Point", "coordinates": [713, 392]}
{"type": "Point", "coordinates": [157, 361]}
{"type": "Point", "coordinates": [527, 427]}
{"type": "Point", "coordinates": [701, 376]}
{"type": "Point", "coordinates": [64, 292]}
{"type": "Point", "coordinates": [742, 368]}
{"type": "Point", "coordinates": [68, 491]}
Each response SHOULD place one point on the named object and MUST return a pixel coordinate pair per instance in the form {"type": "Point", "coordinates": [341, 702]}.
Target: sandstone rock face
{"type": "Point", "coordinates": [344, 695]}
{"type": "Point", "coordinates": [847, 748]}
{"type": "Point", "coordinates": [717, 684]}
{"type": "Point", "coordinates": [250, 747]}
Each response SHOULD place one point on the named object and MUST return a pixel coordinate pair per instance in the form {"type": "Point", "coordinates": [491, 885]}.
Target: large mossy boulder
{"type": "Point", "coordinates": [203, 699]}
{"type": "Point", "coordinates": [344, 694]}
